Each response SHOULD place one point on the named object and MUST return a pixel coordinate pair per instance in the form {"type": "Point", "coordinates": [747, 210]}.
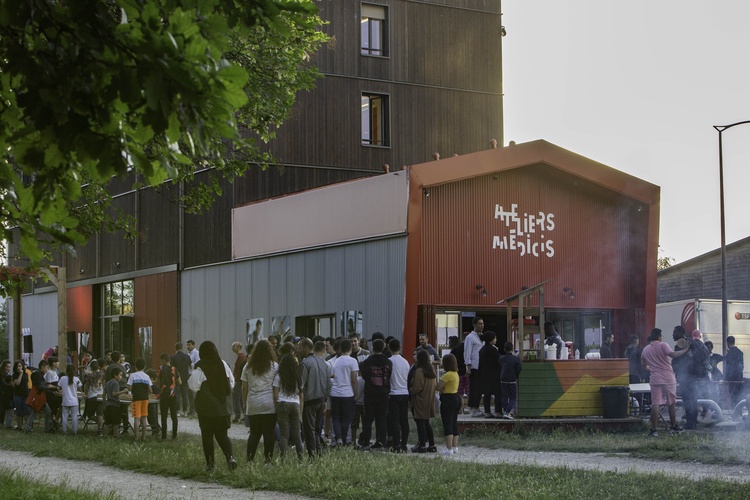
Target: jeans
{"type": "Point", "coordinates": [47, 418]}
{"type": "Point", "coordinates": [71, 411]}
{"type": "Point", "coordinates": [288, 417]}
{"type": "Point", "coordinates": [508, 391]}
{"type": "Point", "coordinates": [312, 413]}
{"type": "Point", "coordinates": [182, 392]}
{"type": "Point", "coordinates": [689, 400]}
{"type": "Point", "coordinates": [376, 408]}
{"type": "Point", "coordinates": [398, 416]}
{"type": "Point", "coordinates": [342, 412]}
{"type": "Point", "coordinates": [168, 405]}
{"type": "Point", "coordinates": [261, 425]}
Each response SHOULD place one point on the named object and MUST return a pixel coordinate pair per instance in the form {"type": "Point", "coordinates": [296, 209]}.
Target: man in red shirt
{"type": "Point", "coordinates": [656, 359]}
{"type": "Point", "coordinates": [237, 400]}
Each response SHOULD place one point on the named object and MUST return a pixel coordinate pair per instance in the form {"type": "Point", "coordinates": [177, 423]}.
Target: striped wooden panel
{"type": "Point", "coordinates": [567, 388]}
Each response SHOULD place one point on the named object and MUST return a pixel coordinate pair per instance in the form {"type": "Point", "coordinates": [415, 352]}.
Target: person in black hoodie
{"type": "Point", "coordinates": [376, 372]}
{"type": "Point", "coordinates": [489, 373]}
{"type": "Point", "coordinates": [212, 381]}
{"type": "Point", "coordinates": [510, 369]}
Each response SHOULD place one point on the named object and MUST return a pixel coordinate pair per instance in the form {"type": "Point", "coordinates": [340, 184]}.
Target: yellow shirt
{"type": "Point", "coordinates": [451, 382]}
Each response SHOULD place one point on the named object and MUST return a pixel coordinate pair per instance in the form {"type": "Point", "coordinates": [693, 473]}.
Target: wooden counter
{"type": "Point", "coordinates": [567, 388]}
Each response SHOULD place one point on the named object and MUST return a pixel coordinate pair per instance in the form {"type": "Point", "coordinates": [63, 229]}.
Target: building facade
{"type": "Point", "coordinates": [402, 79]}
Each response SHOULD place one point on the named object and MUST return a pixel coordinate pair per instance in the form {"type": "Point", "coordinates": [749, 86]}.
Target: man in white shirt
{"type": "Point", "coordinates": [194, 358]}
{"type": "Point", "coordinates": [472, 345]}
{"type": "Point", "coordinates": [398, 400]}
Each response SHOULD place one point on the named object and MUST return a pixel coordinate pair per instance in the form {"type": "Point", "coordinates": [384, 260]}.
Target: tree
{"type": "Point", "coordinates": [95, 89]}
{"type": "Point", "coordinates": [663, 261]}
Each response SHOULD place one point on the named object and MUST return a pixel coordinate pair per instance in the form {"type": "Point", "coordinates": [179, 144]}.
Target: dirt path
{"type": "Point", "coordinates": [131, 485]}
{"type": "Point", "coordinates": [125, 484]}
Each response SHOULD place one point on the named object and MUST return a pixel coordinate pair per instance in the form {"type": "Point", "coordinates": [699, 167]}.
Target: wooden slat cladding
{"type": "Point", "coordinates": [435, 43]}
{"type": "Point", "coordinates": [422, 121]}
{"type": "Point", "coordinates": [158, 226]}
{"type": "Point", "coordinates": [584, 242]}
{"type": "Point", "coordinates": [156, 301]}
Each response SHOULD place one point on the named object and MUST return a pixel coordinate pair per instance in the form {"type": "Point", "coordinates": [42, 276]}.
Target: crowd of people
{"type": "Point", "coordinates": [690, 370]}
{"type": "Point", "coordinates": [304, 394]}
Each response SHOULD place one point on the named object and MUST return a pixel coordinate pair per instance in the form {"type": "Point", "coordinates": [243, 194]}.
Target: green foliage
{"type": "Point", "coordinates": [92, 90]}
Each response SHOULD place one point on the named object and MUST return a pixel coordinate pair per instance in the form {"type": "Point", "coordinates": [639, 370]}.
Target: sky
{"type": "Point", "coordinates": [638, 86]}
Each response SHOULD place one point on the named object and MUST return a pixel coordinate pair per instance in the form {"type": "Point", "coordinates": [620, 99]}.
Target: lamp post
{"type": "Point", "coordinates": [724, 311]}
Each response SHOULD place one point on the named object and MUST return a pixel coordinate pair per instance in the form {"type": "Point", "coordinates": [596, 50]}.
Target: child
{"type": "Point", "coordinates": [93, 389]}
{"type": "Point", "coordinates": [169, 381]}
{"type": "Point", "coordinates": [112, 393]}
{"type": "Point", "coordinates": [139, 386]}
{"type": "Point", "coordinates": [69, 384]}
{"type": "Point", "coordinates": [153, 413]}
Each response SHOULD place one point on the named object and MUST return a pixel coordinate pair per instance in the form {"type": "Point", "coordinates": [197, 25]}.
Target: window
{"type": "Point", "coordinates": [375, 120]}
{"type": "Point", "coordinates": [374, 30]}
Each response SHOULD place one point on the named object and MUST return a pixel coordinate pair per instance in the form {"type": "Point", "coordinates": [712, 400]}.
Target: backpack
{"type": "Point", "coordinates": [699, 364]}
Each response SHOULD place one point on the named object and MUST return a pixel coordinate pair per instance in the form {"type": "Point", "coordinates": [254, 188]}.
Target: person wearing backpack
{"type": "Point", "coordinates": [376, 372]}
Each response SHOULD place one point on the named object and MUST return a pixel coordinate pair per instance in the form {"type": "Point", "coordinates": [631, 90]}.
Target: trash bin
{"type": "Point", "coordinates": [615, 401]}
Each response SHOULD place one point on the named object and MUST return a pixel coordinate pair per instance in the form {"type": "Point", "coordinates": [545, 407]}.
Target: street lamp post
{"type": "Point", "coordinates": [724, 309]}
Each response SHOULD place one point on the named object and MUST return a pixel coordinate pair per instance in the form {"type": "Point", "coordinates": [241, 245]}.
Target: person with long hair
{"type": "Point", "coordinates": [70, 385]}
{"type": "Point", "coordinates": [489, 374]}
{"type": "Point", "coordinates": [212, 382]}
{"type": "Point", "coordinates": [450, 404]}
{"type": "Point", "coordinates": [6, 395]}
{"type": "Point", "coordinates": [257, 386]}
{"type": "Point", "coordinates": [20, 383]}
{"type": "Point", "coordinates": [422, 392]}
{"type": "Point", "coordinates": [286, 395]}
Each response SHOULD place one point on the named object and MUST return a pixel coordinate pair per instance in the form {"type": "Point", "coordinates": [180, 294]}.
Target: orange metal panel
{"type": "Point", "coordinates": [156, 298]}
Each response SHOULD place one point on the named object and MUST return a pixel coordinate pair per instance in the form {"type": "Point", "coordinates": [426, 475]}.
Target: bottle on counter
{"type": "Point", "coordinates": [578, 354]}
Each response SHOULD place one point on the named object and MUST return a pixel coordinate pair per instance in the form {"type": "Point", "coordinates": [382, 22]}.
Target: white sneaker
{"type": "Point", "coordinates": [447, 452]}
{"type": "Point", "coordinates": [477, 413]}
{"type": "Point", "coordinates": [455, 451]}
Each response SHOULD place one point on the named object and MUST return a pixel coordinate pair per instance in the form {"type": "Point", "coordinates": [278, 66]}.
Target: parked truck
{"type": "Point", "coordinates": [705, 315]}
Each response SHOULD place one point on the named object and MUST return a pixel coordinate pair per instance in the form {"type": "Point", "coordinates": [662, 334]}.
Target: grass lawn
{"type": "Point", "coordinates": [355, 475]}
{"type": "Point", "coordinates": [17, 486]}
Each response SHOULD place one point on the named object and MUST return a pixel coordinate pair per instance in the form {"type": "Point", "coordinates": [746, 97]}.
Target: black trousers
{"type": "Point", "coordinates": [376, 409]}
{"type": "Point", "coordinates": [424, 431]}
{"type": "Point", "coordinates": [398, 416]}
{"type": "Point", "coordinates": [261, 425]}
{"type": "Point", "coordinates": [312, 413]}
{"type": "Point", "coordinates": [475, 391]}
{"type": "Point", "coordinates": [168, 405]}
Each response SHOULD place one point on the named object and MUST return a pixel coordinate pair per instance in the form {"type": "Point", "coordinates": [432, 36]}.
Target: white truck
{"type": "Point", "coordinates": [705, 315]}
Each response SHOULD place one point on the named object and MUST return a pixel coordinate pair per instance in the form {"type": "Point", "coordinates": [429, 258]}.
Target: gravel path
{"type": "Point", "coordinates": [131, 485]}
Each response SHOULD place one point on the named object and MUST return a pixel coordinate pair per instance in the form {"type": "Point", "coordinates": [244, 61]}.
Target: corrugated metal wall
{"type": "Point", "coordinates": [367, 277]}
{"type": "Point", "coordinates": [590, 249]}
{"type": "Point", "coordinates": [39, 313]}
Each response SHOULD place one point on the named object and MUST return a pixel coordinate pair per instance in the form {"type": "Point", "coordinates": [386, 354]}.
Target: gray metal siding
{"type": "Point", "coordinates": [367, 277]}
{"type": "Point", "coordinates": [39, 313]}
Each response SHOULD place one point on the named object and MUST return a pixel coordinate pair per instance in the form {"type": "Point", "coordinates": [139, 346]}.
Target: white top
{"type": "Point", "coordinates": [51, 376]}
{"type": "Point", "coordinates": [259, 390]}
{"type": "Point", "coordinates": [342, 377]}
{"type": "Point", "coordinates": [399, 374]}
{"type": "Point", "coordinates": [198, 377]}
{"type": "Point", "coordinates": [69, 391]}
{"type": "Point", "coordinates": [283, 396]}
{"type": "Point", "coordinates": [472, 345]}
{"type": "Point", "coordinates": [194, 358]}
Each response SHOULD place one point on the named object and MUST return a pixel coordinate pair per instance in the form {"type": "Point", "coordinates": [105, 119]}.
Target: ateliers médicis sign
{"type": "Point", "coordinates": [527, 233]}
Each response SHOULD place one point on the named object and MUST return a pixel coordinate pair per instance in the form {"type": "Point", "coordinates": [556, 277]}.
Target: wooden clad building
{"type": "Point", "coordinates": [402, 79]}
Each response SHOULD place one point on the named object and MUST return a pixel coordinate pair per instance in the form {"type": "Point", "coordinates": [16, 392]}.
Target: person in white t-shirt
{"type": "Point", "coordinates": [398, 399]}
{"type": "Point", "coordinates": [286, 396]}
{"type": "Point", "coordinates": [343, 391]}
{"type": "Point", "coordinates": [69, 384]}
{"type": "Point", "coordinates": [257, 386]}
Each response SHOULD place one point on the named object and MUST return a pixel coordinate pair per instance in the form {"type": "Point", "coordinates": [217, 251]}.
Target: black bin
{"type": "Point", "coordinates": [615, 401]}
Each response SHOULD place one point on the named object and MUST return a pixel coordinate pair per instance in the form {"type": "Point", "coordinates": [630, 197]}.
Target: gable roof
{"type": "Point", "coordinates": [532, 153]}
